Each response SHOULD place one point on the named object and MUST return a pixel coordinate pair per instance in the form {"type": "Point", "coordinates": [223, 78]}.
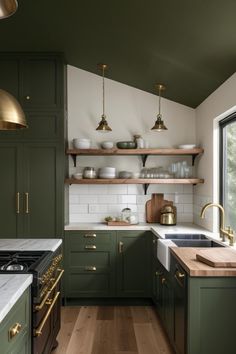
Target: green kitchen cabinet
{"type": "Point", "coordinates": [19, 314]}
{"type": "Point", "coordinates": [31, 202]}
{"type": "Point", "coordinates": [38, 81]}
{"type": "Point", "coordinates": [134, 264]}
{"type": "Point", "coordinates": [204, 313]}
{"type": "Point", "coordinates": [90, 264]}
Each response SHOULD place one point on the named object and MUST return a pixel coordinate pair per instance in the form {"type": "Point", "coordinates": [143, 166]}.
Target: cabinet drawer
{"type": "Point", "coordinates": [19, 315]}
{"type": "Point", "coordinates": [84, 240]}
{"type": "Point", "coordinates": [83, 261]}
{"type": "Point", "coordinates": [79, 285]}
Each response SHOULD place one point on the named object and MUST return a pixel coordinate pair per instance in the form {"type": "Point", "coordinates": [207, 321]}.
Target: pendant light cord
{"type": "Point", "coordinates": [159, 100]}
{"type": "Point", "coordinates": [103, 92]}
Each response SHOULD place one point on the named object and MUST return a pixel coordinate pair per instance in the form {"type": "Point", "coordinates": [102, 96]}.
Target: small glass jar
{"type": "Point", "coordinates": [89, 172]}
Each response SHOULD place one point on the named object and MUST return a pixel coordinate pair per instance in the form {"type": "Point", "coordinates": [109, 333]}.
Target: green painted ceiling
{"type": "Point", "coordinates": [189, 45]}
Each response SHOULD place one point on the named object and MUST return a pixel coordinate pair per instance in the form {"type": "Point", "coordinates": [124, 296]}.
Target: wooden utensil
{"type": "Point", "coordinates": [153, 207]}
{"type": "Point", "coordinates": [218, 257]}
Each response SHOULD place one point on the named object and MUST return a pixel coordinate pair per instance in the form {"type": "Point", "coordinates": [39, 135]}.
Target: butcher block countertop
{"type": "Point", "coordinates": [187, 258]}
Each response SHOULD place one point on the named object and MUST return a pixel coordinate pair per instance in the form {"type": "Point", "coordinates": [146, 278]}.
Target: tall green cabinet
{"type": "Point", "coordinates": [32, 159]}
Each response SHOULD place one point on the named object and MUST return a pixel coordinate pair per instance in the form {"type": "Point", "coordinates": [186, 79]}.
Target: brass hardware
{"type": "Point", "coordinates": [163, 280]}
{"type": "Point", "coordinates": [12, 116]}
{"type": "Point", "coordinates": [103, 125]}
{"type": "Point", "coordinates": [14, 330]}
{"type": "Point", "coordinates": [90, 269]}
{"type": "Point", "coordinates": [229, 232]}
{"type": "Point", "coordinates": [90, 247]}
{"type": "Point", "coordinates": [120, 247]}
{"type": "Point", "coordinates": [27, 97]}
{"type": "Point", "coordinates": [26, 202]}
{"type": "Point", "coordinates": [154, 241]}
{"type": "Point", "coordinates": [42, 303]}
{"type": "Point", "coordinates": [17, 203]}
{"type": "Point", "coordinates": [38, 331]}
{"type": "Point", "coordinates": [90, 236]}
{"type": "Point", "coordinates": [7, 8]}
{"type": "Point", "coordinates": [158, 273]}
{"type": "Point", "coordinates": [179, 274]}
{"type": "Point", "coordinates": [159, 125]}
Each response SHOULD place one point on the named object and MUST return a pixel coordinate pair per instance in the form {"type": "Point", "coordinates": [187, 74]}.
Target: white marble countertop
{"type": "Point", "coordinates": [23, 244]}
{"type": "Point", "coordinates": [157, 229]}
{"type": "Point", "coordinates": [12, 287]}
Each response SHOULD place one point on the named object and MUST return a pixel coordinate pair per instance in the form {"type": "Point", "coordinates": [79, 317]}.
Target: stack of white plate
{"type": "Point", "coordinates": [107, 172]}
{"type": "Point", "coordinates": [81, 143]}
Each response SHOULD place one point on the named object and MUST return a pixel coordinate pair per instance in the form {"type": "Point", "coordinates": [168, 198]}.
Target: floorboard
{"type": "Point", "coordinates": [111, 330]}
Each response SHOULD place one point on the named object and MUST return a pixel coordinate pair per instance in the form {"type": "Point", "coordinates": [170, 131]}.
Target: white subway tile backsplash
{"type": "Point", "coordinates": [88, 199]}
{"type": "Point", "coordinates": [78, 189]}
{"type": "Point", "coordinates": [126, 199]}
{"type": "Point", "coordinates": [74, 199]}
{"type": "Point", "coordinates": [188, 208]}
{"type": "Point", "coordinates": [117, 189]}
{"type": "Point", "coordinates": [133, 207]}
{"type": "Point", "coordinates": [116, 208]}
{"type": "Point", "coordinates": [185, 217]}
{"type": "Point", "coordinates": [142, 199]}
{"type": "Point", "coordinates": [98, 189]}
{"type": "Point", "coordinates": [107, 199]}
{"type": "Point", "coordinates": [183, 198]}
{"type": "Point", "coordinates": [98, 208]}
{"type": "Point", "coordinates": [79, 208]}
{"type": "Point", "coordinates": [135, 189]}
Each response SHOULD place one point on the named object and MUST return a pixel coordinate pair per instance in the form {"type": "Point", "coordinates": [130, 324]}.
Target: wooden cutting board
{"type": "Point", "coordinates": [153, 207]}
{"type": "Point", "coordinates": [218, 257]}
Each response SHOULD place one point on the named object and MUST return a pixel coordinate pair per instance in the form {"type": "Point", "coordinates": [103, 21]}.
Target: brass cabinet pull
{"type": "Point", "coordinates": [26, 202]}
{"type": "Point", "coordinates": [120, 247]}
{"type": "Point", "coordinates": [158, 273]}
{"type": "Point", "coordinates": [14, 330]}
{"type": "Point", "coordinates": [43, 302]}
{"type": "Point", "coordinates": [90, 247]}
{"type": "Point", "coordinates": [17, 203]}
{"type": "Point", "coordinates": [163, 280]}
{"type": "Point", "coordinates": [27, 97]}
{"type": "Point", "coordinates": [38, 332]}
{"type": "Point", "coordinates": [179, 274]}
{"type": "Point", "coordinates": [90, 236]}
{"type": "Point", "coordinates": [90, 269]}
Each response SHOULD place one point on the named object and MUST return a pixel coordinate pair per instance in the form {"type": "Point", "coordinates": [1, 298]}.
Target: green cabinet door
{"type": "Point", "coordinates": [31, 189]}
{"type": "Point", "coordinates": [11, 190]}
{"type": "Point", "coordinates": [41, 82]}
{"type": "Point", "coordinates": [43, 191]}
{"type": "Point", "coordinates": [9, 74]}
{"type": "Point", "coordinates": [134, 264]}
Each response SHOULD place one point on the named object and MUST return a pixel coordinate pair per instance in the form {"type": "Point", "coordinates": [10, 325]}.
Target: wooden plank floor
{"type": "Point", "coordinates": [111, 330]}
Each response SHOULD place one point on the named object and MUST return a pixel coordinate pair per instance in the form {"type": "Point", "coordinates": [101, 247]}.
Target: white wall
{"type": "Point", "coordinates": [129, 111]}
{"type": "Point", "coordinates": [218, 105]}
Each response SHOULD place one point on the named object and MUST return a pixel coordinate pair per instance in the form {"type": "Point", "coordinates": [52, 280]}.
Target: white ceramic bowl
{"type": "Point", "coordinates": [111, 170]}
{"type": "Point", "coordinates": [107, 144]}
{"type": "Point", "coordinates": [106, 175]}
{"type": "Point", "coordinates": [125, 174]}
{"type": "Point", "coordinates": [81, 143]}
{"type": "Point", "coordinates": [78, 175]}
{"type": "Point", "coordinates": [187, 146]}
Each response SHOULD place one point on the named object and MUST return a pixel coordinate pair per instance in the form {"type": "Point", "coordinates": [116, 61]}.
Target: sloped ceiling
{"type": "Point", "coordinates": [189, 45]}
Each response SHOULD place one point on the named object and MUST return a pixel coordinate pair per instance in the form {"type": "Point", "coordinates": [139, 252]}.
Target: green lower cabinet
{"type": "Point", "coordinates": [107, 264]}
{"type": "Point", "coordinates": [19, 314]}
{"type": "Point", "coordinates": [133, 264]}
{"type": "Point", "coordinates": [90, 264]}
{"type": "Point", "coordinates": [204, 310]}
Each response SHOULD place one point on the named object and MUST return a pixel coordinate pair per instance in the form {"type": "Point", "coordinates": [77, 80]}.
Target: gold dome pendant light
{"type": "Point", "coordinates": [12, 116]}
{"type": "Point", "coordinates": [159, 125]}
{"type": "Point", "coordinates": [103, 125]}
{"type": "Point", "coordinates": [7, 8]}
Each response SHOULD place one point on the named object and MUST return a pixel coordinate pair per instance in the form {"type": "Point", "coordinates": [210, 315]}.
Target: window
{"type": "Point", "coordinates": [228, 168]}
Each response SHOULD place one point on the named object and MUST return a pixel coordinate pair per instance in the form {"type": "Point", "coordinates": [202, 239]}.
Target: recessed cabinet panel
{"type": "Point", "coordinates": [9, 76]}
{"type": "Point", "coordinates": [41, 126]}
{"type": "Point", "coordinates": [11, 193]}
{"type": "Point", "coordinates": [39, 83]}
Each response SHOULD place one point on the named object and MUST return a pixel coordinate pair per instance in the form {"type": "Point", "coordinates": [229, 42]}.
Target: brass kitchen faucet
{"type": "Point", "coordinates": [224, 231]}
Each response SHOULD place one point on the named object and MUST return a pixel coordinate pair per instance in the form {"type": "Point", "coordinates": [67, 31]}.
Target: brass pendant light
{"type": "Point", "coordinates": [103, 125]}
{"type": "Point", "coordinates": [159, 125]}
{"type": "Point", "coordinates": [7, 8]}
{"type": "Point", "coordinates": [12, 116]}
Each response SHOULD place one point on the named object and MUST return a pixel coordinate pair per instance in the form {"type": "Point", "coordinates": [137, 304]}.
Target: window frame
{"type": "Point", "coordinates": [222, 153]}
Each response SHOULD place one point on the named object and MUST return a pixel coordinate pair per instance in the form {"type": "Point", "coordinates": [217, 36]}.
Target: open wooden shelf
{"type": "Point", "coordinates": [144, 181]}
{"type": "Point", "coordinates": [144, 153]}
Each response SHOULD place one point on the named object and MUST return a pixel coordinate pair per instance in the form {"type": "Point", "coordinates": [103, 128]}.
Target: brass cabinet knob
{"type": "Point", "coordinates": [27, 97]}
{"type": "Point", "coordinates": [90, 247]}
{"type": "Point", "coordinates": [14, 330]}
{"type": "Point", "coordinates": [163, 280]}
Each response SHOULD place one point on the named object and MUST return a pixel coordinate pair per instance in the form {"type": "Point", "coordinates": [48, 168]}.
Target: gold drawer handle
{"type": "Point", "coordinates": [17, 203]}
{"type": "Point", "coordinates": [27, 203]}
{"type": "Point", "coordinates": [42, 303]}
{"type": "Point", "coordinates": [179, 274]}
{"type": "Point", "coordinates": [120, 247]}
{"type": "Point", "coordinates": [163, 280]}
{"type": "Point", "coordinates": [38, 331]}
{"type": "Point", "coordinates": [158, 273]}
{"type": "Point", "coordinates": [14, 330]}
{"type": "Point", "coordinates": [90, 247]}
{"type": "Point", "coordinates": [90, 236]}
{"type": "Point", "coordinates": [90, 269]}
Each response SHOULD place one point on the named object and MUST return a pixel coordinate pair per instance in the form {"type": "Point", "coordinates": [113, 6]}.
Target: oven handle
{"type": "Point", "coordinates": [38, 331]}
{"type": "Point", "coordinates": [42, 303]}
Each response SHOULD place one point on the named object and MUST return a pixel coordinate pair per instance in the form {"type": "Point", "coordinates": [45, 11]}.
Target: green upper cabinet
{"type": "Point", "coordinates": [31, 200]}
{"type": "Point", "coordinates": [134, 264]}
{"type": "Point", "coordinates": [38, 82]}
